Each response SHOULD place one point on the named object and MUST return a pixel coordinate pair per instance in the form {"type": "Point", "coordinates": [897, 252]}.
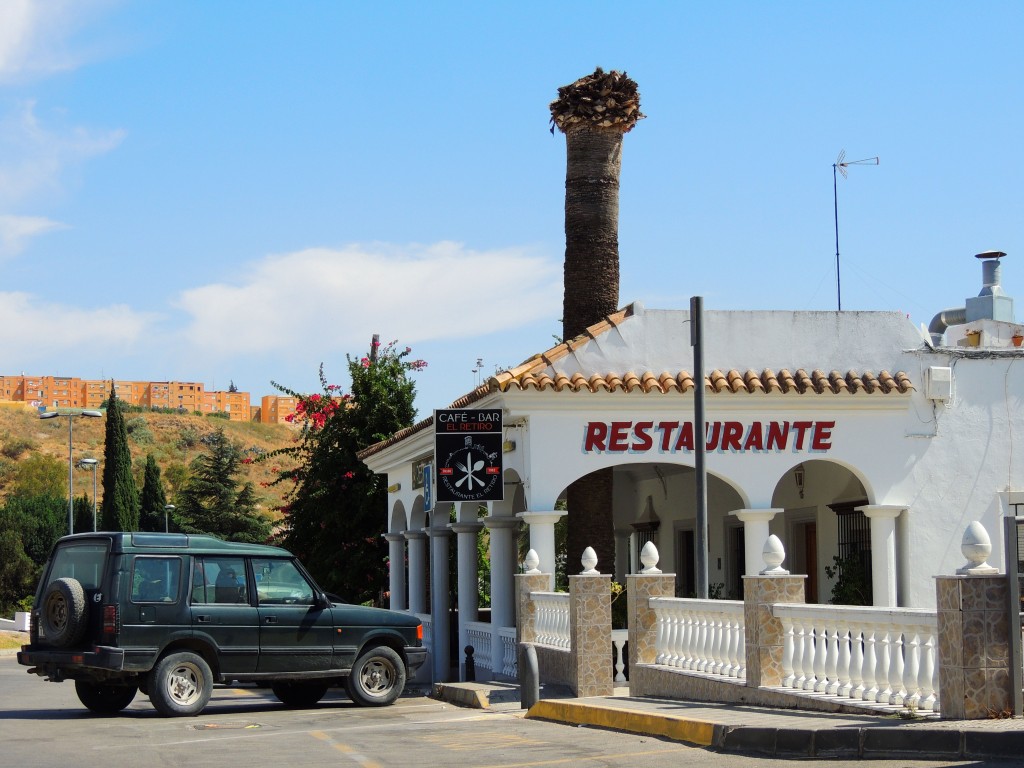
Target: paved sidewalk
{"type": "Point", "coordinates": [758, 730]}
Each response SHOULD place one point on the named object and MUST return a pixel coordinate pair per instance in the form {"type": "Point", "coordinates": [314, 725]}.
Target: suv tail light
{"type": "Point", "coordinates": [111, 625]}
{"type": "Point", "coordinates": [419, 633]}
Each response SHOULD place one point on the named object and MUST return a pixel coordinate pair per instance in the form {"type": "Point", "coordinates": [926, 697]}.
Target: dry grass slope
{"type": "Point", "coordinates": [173, 439]}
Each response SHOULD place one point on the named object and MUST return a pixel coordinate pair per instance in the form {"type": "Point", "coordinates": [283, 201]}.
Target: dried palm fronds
{"type": "Point", "coordinates": [603, 100]}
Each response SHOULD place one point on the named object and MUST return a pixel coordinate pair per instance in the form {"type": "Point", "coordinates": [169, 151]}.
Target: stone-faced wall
{"type": "Point", "coordinates": [764, 637]}
{"type": "Point", "coordinates": [590, 632]}
{"type": "Point", "coordinates": [974, 647]}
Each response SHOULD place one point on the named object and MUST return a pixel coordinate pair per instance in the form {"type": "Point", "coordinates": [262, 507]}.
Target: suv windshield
{"type": "Point", "coordinates": [83, 562]}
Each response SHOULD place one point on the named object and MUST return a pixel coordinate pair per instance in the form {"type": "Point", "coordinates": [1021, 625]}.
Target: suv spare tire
{"type": "Point", "coordinates": [62, 613]}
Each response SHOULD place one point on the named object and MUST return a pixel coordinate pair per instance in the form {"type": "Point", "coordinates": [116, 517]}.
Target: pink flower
{"type": "Point", "coordinates": [365, 362]}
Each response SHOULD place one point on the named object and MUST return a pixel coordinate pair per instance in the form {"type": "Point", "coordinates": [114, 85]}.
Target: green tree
{"type": "Point", "coordinates": [120, 494]}
{"type": "Point", "coordinates": [334, 516]}
{"type": "Point", "coordinates": [17, 571]}
{"type": "Point", "coordinates": [212, 501]}
{"type": "Point", "coordinates": [594, 113]}
{"type": "Point", "coordinates": [153, 499]}
{"type": "Point", "coordinates": [41, 475]}
{"type": "Point", "coordinates": [41, 520]}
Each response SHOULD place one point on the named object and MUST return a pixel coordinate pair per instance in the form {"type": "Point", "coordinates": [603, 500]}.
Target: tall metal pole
{"type": "Point", "coordinates": [841, 165]}
{"type": "Point", "coordinates": [699, 443]}
{"type": "Point", "coordinates": [835, 206]}
{"type": "Point", "coordinates": [71, 482]}
{"type": "Point", "coordinates": [94, 498]}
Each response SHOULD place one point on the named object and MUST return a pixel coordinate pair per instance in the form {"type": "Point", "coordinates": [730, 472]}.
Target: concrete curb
{"type": "Point", "coordinates": [873, 742]}
{"type": "Point", "coordinates": [462, 695]}
{"type": "Point", "coordinates": [676, 728]}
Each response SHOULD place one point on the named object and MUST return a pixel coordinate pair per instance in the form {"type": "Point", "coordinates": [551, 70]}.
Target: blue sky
{"type": "Point", "coordinates": [241, 191]}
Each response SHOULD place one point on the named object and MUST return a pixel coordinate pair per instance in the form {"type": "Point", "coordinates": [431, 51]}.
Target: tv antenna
{"type": "Point", "coordinates": [841, 164]}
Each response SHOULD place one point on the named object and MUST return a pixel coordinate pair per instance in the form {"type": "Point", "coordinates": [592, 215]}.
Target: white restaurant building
{"type": "Point", "coordinates": [840, 432]}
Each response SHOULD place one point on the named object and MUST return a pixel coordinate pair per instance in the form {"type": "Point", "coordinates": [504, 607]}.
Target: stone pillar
{"type": "Point", "coordinates": [974, 647]}
{"type": "Point", "coordinates": [755, 533]}
{"type": "Point", "coordinates": [439, 605]}
{"type": "Point", "coordinates": [883, 552]}
{"type": "Point", "coordinates": [417, 571]}
{"type": "Point", "coordinates": [396, 570]}
{"type": "Point", "coordinates": [763, 632]}
{"type": "Point", "coordinates": [974, 655]}
{"type": "Point", "coordinates": [526, 614]}
{"type": "Point", "coordinates": [468, 588]}
{"type": "Point", "coordinates": [643, 627]}
{"type": "Point", "coordinates": [590, 633]}
{"type": "Point", "coordinates": [542, 539]}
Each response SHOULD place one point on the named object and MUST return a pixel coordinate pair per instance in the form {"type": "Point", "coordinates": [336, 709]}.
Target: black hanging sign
{"type": "Point", "coordinates": [467, 455]}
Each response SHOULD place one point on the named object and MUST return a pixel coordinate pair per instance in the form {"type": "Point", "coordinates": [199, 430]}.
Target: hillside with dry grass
{"type": "Point", "coordinates": [173, 439]}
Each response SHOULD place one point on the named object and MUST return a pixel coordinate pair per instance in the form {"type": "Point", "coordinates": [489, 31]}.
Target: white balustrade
{"type": "Point", "coordinates": [509, 663]}
{"type": "Point", "coordinates": [619, 638]}
{"type": "Point", "coordinates": [552, 618]}
{"type": "Point", "coordinates": [700, 635]}
{"type": "Point", "coordinates": [878, 655]}
{"type": "Point", "coordinates": [478, 635]}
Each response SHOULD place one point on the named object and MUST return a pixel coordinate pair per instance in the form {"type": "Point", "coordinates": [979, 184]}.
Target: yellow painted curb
{"type": "Point", "coordinates": [676, 728]}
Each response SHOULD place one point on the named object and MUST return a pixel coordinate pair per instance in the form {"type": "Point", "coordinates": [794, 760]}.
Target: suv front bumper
{"type": "Point", "coordinates": [59, 664]}
{"type": "Point", "coordinates": [415, 656]}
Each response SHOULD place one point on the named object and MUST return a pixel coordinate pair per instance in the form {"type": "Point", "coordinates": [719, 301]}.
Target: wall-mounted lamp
{"type": "Point", "coordinates": [798, 475]}
{"type": "Point", "coordinates": [508, 446]}
{"type": "Point", "coordinates": [394, 488]}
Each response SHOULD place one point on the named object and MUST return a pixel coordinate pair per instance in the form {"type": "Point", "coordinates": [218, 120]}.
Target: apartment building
{"type": "Point", "coordinates": [275, 409]}
{"type": "Point", "coordinates": [55, 392]}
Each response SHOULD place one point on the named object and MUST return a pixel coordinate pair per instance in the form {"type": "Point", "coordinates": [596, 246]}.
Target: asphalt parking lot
{"type": "Point", "coordinates": [43, 724]}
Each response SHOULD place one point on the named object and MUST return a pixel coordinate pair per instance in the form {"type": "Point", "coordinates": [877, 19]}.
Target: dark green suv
{"type": "Point", "coordinates": [171, 614]}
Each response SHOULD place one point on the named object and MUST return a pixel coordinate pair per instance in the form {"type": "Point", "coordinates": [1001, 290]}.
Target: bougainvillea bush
{"type": "Point", "coordinates": [335, 512]}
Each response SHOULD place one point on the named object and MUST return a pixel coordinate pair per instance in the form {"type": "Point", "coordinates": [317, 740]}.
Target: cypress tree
{"type": "Point", "coordinates": [153, 498]}
{"type": "Point", "coordinates": [120, 494]}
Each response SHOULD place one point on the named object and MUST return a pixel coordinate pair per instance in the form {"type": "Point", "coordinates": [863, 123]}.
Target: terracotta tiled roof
{"type": "Point", "coordinates": [727, 382]}
{"type": "Point", "coordinates": [533, 375]}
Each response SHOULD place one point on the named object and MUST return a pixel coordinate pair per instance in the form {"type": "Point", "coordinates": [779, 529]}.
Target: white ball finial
{"type": "Point", "coordinates": [530, 562]}
{"type": "Point", "coordinates": [774, 553]}
{"type": "Point", "coordinates": [976, 546]}
{"type": "Point", "coordinates": [649, 557]}
{"type": "Point", "coordinates": [589, 562]}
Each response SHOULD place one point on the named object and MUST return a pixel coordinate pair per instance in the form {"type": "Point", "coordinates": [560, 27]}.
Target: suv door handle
{"type": "Point", "coordinates": [271, 620]}
{"type": "Point", "coordinates": [204, 619]}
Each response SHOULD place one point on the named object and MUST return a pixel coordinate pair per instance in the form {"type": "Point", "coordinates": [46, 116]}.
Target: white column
{"type": "Point", "coordinates": [417, 571]}
{"type": "Point", "coordinates": [468, 588]}
{"type": "Point", "coordinates": [396, 570]}
{"type": "Point", "coordinates": [883, 552]}
{"type": "Point", "coordinates": [542, 538]}
{"type": "Point", "coordinates": [503, 565]}
{"type": "Point", "coordinates": [755, 534]}
{"type": "Point", "coordinates": [439, 604]}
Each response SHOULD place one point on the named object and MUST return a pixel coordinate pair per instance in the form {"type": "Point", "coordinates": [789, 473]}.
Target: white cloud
{"type": "Point", "coordinates": [34, 155]}
{"type": "Point", "coordinates": [31, 330]}
{"type": "Point", "coordinates": [34, 35]}
{"type": "Point", "coordinates": [318, 301]}
{"type": "Point", "coordinates": [15, 230]}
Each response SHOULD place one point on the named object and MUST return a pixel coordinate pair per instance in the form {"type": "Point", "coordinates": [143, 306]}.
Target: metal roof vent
{"type": "Point", "coordinates": [991, 303]}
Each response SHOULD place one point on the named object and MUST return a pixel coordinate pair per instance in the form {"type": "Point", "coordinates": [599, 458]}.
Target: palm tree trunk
{"type": "Point", "coordinates": [591, 287]}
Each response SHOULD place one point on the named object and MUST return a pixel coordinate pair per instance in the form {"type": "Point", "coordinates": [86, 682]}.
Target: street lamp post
{"type": "Point", "coordinates": [167, 508]}
{"type": "Point", "coordinates": [71, 466]}
{"type": "Point", "coordinates": [91, 464]}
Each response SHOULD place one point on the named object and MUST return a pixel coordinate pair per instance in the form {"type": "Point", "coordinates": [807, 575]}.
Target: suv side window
{"type": "Point", "coordinates": [219, 580]}
{"type": "Point", "coordinates": [280, 582]}
{"type": "Point", "coordinates": [156, 579]}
